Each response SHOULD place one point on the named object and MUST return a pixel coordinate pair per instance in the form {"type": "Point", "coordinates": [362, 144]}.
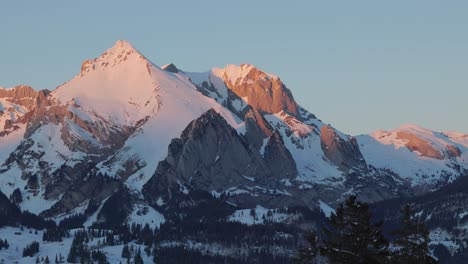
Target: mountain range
{"type": "Point", "coordinates": [230, 145]}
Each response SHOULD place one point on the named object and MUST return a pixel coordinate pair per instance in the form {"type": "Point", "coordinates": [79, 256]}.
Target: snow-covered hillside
{"type": "Point", "coordinates": [420, 155]}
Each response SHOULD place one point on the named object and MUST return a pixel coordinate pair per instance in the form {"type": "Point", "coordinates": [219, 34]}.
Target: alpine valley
{"type": "Point", "coordinates": [220, 166]}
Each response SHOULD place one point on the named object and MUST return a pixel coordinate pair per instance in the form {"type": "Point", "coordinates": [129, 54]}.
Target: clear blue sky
{"type": "Point", "coordinates": [359, 65]}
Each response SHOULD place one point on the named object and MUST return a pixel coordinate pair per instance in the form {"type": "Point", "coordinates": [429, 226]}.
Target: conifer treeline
{"type": "Point", "coordinates": [350, 237]}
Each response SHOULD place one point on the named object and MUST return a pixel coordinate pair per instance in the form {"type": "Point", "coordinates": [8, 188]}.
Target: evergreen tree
{"type": "Point", "coordinates": [31, 249]}
{"type": "Point", "coordinates": [412, 240]}
{"type": "Point", "coordinates": [16, 196]}
{"type": "Point", "coordinates": [99, 257]}
{"type": "Point", "coordinates": [350, 238]}
{"type": "Point", "coordinates": [137, 259]}
{"type": "Point", "coordinates": [125, 252]}
{"type": "Point", "coordinates": [310, 253]}
{"type": "Point", "coordinates": [4, 244]}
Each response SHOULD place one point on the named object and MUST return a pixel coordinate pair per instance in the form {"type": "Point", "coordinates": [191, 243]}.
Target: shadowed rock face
{"type": "Point", "coordinates": [76, 193]}
{"type": "Point", "coordinates": [279, 158]}
{"type": "Point", "coordinates": [257, 128]}
{"type": "Point", "coordinates": [453, 151]}
{"type": "Point", "coordinates": [344, 154]}
{"type": "Point", "coordinates": [170, 68]}
{"type": "Point", "coordinates": [422, 146]}
{"type": "Point", "coordinates": [211, 156]}
{"type": "Point", "coordinates": [266, 94]}
{"type": "Point", "coordinates": [208, 155]}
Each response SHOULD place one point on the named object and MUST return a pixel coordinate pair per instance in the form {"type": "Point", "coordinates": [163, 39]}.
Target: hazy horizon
{"type": "Point", "coordinates": [358, 66]}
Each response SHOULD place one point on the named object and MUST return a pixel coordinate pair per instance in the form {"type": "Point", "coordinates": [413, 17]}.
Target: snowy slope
{"type": "Point", "coordinates": [397, 151]}
{"type": "Point", "coordinates": [10, 111]}
{"type": "Point", "coordinates": [52, 149]}
{"type": "Point", "coordinates": [11, 131]}
{"type": "Point", "coordinates": [8, 143]}
{"type": "Point", "coordinates": [18, 239]}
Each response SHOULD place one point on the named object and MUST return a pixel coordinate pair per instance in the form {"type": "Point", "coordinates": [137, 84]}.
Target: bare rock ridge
{"type": "Point", "coordinates": [18, 92]}
{"type": "Point", "coordinates": [264, 92]}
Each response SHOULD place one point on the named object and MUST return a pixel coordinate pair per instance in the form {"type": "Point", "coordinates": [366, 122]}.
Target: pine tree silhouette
{"type": "Point", "coordinates": [412, 240]}
{"type": "Point", "coordinates": [350, 238]}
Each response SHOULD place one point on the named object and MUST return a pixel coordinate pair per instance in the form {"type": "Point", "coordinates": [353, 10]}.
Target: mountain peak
{"type": "Point", "coordinates": [263, 91]}
{"type": "Point", "coordinates": [240, 73]}
{"type": "Point", "coordinates": [122, 51]}
{"type": "Point", "coordinates": [119, 84]}
{"type": "Point", "coordinates": [123, 44]}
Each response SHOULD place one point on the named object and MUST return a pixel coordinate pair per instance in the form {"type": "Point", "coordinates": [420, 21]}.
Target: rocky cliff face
{"type": "Point", "coordinates": [210, 156]}
{"type": "Point", "coordinates": [264, 92]}
{"type": "Point", "coordinates": [343, 152]}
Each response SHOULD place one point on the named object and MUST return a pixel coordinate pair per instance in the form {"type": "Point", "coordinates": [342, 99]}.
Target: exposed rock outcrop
{"type": "Point", "coordinates": [18, 92]}
{"type": "Point", "coordinates": [343, 153]}
{"type": "Point", "coordinates": [257, 128]}
{"type": "Point", "coordinates": [170, 68]}
{"type": "Point", "coordinates": [264, 92]}
{"type": "Point", "coordinates": [279, 159]}
{"type": "Point", "coordinates": [422, 146]}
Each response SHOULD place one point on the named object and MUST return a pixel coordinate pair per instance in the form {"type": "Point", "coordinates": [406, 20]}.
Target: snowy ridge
{"type": "Point", "coordinates": [237, 74]}
{"type": "Point", "coordinates": [457, 137]}
{"type": "Point", "coordinates": [394, 150]}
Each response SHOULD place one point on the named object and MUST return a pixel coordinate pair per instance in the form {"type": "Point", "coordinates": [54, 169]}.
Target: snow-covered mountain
{"type": "Point", "coordinates": [161, 143]}
{"type": "Point", "coordinates": [118, 116]}
{"type": "Point", "coordinates": [427, 159]}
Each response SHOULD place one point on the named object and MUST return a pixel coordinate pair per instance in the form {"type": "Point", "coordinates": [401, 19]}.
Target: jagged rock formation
{"type": "Point", "coordinates": [211, 156]}
{"type": "Point", "coordinates": [344, 153]}
{"type": "Point", "coordinates": [264, 92]}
